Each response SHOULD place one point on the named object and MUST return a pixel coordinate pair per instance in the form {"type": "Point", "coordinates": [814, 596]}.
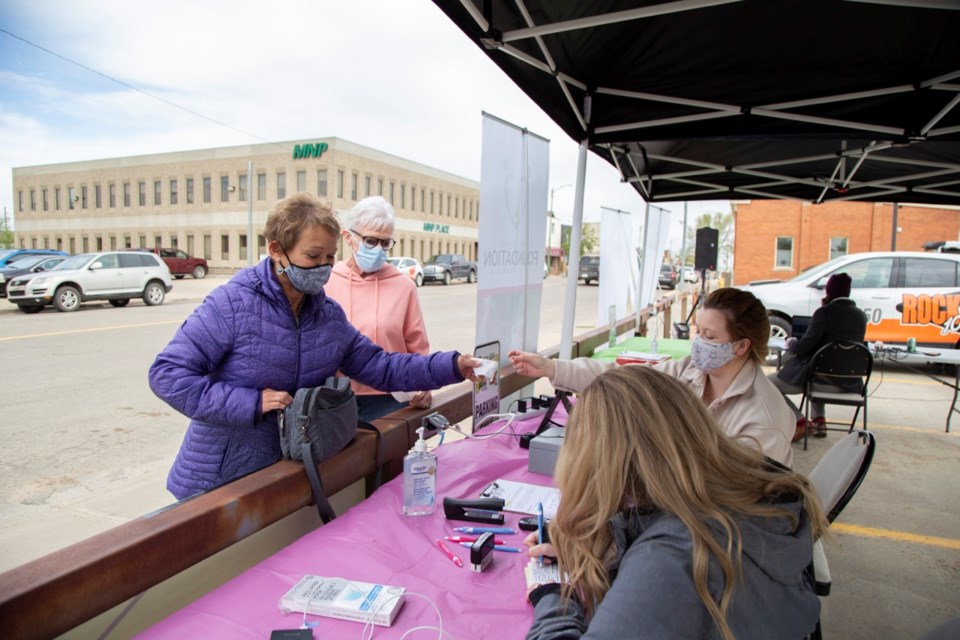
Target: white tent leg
{"type": "Point", "coordinates": [573, 269]}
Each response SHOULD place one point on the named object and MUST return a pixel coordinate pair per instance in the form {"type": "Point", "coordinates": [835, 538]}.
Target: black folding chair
{"type": "Point", "coordinates": [834, 364]}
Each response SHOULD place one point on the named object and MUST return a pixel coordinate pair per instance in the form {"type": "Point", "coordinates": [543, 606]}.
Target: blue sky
{"type": "Point", "coordinates": [395, 76]}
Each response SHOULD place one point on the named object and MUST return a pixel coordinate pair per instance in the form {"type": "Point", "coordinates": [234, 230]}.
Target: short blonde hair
{"type": "Point", "coordinates": [292, 215]}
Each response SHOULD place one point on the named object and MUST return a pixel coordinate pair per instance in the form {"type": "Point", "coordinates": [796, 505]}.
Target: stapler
{"type": "Point", "coordinates": [486, 510]}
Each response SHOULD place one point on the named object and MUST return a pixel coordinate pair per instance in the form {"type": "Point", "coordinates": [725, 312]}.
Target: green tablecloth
{"type": "Point", "coordinates": [677, 349]}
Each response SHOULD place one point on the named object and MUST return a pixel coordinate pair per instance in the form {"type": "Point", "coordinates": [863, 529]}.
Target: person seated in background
{"type": "Point", "coordinates": [670, 529]}
{"type": "Point", "coordinates": [241, 356]}
{"type": "Point", "coordinates": [378, 299]}
{"type": "Point", "coordinates": [837, 320]}
{"type": "Point", "coordinates": [723, 370]}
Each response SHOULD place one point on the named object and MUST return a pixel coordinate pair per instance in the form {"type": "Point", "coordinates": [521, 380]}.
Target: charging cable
{"type": "Point", "coordinates": [439, 628]}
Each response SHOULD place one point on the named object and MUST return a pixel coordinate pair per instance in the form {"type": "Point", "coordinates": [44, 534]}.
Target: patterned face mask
{"type": "Point", "coordinates": [308, 280]}
{"type": "Point", "coordinates": [709, 356]}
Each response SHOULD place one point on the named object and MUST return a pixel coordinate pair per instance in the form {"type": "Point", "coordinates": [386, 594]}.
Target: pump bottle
{"type": "Point", "coordinates": [419, 479]}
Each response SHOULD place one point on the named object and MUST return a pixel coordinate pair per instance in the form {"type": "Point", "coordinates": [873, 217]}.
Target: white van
{"type": "Point", "coordinates": [905, 295]}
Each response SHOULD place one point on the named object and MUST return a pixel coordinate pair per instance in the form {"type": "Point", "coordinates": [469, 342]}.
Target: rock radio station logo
{"type": "Point", "coordinates": [942, 310]}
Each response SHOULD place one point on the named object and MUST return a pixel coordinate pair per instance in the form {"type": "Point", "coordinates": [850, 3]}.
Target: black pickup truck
{"type": "Point", "coordinates": [447, 267]}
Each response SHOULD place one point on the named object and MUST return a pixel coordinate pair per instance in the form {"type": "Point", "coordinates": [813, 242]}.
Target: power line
{"type": "Point", "coordinates": [137, 89]}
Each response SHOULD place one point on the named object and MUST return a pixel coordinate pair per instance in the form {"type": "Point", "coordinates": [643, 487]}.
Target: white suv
{"type": "Point", "coordinates": [115, 276]}
{"type": "Point", "coordinates": [905, 294]}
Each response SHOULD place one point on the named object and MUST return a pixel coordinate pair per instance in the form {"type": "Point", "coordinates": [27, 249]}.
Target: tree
{"type": "Point", "coordinates": [588, 240]}
{"type": "Point", "coordinates": [6, 232]}
{"type": "Point", "coordinates": [723, 223]}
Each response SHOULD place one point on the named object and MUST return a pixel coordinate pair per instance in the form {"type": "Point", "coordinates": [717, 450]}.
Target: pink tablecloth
{"type": "Point", "coordinates": [374, 542]}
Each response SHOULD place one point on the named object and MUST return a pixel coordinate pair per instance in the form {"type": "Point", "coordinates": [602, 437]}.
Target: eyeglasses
{"type": "Point", "coordinates": [371, 243]}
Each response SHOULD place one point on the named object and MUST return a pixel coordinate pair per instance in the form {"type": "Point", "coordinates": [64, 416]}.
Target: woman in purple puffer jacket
{"type": "Point", "coordinates": [269, 331]}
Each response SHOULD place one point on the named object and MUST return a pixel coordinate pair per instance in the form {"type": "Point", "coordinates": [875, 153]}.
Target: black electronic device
{"type": "Point", "coordinates": [705, 257]}
{"type": "Point", "coordinates": [291, 634]}
{"type": "Point", "coordinates": [485, 510]}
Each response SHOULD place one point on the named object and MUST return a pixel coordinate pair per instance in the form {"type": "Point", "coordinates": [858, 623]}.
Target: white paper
{"type": "Point", "coordinates": [522, 497]}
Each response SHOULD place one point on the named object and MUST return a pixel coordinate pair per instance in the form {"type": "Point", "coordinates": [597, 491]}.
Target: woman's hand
{"type": "Point", "coordinates": [533, 365]}
{"type": "Point", "coordinates": [544, 550]}
{"type": "Point", "coordinates": [466, 366]}
{"type": "Point", "coordinates": [271, 400]}
{"type": "Point", "coordinates": [421, 400]}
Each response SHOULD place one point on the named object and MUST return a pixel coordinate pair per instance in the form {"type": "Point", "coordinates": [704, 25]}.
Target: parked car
{"type": "Point", "coordinates": [689, 274]}
{"type": "Point", "coordinates": [905, 294]}
{"type": "Point", "coordinates": [179, 263]}
{"type": "Point", "coordinates": [669, 276]}
{"type": "Point", "coordinates": [589, 268]}
{"type": "Point", "coordinates": [8, 256]}
{"type": "Point", "coordinates": [116, 276]}
{"type": "Point", "coordinates": [409, 266]}
{"type": "Point", "coordinates": [447, 267]}
{"type": "Point", "coordinates": [30, 264]}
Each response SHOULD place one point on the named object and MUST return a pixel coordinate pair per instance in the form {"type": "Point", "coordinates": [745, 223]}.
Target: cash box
{"type": "Point", "coordinates": [544, 450]}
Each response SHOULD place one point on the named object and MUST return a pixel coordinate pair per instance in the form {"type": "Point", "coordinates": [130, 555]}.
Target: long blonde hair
{"type": "Point", "coordinates": [640, 438]}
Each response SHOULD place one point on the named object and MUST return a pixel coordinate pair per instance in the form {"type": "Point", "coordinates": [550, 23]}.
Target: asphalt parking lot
{"type": "Point", "coordinates": [84, 446]}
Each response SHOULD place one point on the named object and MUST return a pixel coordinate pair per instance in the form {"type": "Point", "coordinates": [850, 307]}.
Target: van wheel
{"type": "Point", "coordinates": [199, 272]}
{"type": "Point", "coordinates": [471, 277]}
{"type": "Point", "coordinates": [446, 278]}
{"type": "Point", "coordinates": [419, 280]}
{"type": "Point", "coordinates": [67, 298]}
{"type": "Point", "coordinates": [153, 294]}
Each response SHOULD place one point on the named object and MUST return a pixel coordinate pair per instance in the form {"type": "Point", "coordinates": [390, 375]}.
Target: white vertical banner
{"type": "Point", "coordinates": [618, 264]}
{"type": "Point", "coordinates": [514, 173]}
{"type": "Point", "coordinates": [655, 236]}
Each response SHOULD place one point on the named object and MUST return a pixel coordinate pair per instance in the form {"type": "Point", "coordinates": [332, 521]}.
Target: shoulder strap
{"type": "Point", "coordinates": [319, 497]}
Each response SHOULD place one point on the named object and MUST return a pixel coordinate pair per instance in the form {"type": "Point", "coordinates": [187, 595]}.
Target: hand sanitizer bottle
{"type": "Point", "coordinates": [419, 480]}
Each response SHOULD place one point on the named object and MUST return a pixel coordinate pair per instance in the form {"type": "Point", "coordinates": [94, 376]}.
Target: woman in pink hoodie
{"type": "Point", "coordinates": [378, 299]}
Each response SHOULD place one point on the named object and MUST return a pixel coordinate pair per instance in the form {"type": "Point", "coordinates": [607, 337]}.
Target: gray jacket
{"type": "Point", "coordinates": [653, 594]}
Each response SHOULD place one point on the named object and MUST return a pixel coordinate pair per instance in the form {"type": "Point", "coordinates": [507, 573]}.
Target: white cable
{"type": "Point", "coordinates": [372, 627]}
{"type": "Point", "coordinates": [486, 436]}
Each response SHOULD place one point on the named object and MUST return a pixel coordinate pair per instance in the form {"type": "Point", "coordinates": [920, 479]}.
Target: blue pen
{"type": "Point", "coordinates": [540, 529]}
{"type": "Point", "coordinates": [498, 547]}
{"type": "Point", "coordinates": [484, 530]}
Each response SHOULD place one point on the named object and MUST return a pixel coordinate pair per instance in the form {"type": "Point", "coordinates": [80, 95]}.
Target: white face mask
{"type": "Point", "coordinates": [709, 356]}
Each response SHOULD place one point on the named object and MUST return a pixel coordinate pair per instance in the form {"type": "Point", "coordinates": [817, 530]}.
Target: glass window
{"type": "Point", "coordinates": [866, 274]}
{"type": "Point", "coordinates": [224, 188]}
{"type": "Point", "coordinates": [379, 186]}
{"type": "Point", "coordinates": [207, 247]}
{"type": "Point", "coordinates": [207, 196]}
{"type": "Point", "coordinates": [110, 260]}
{"type": "Point", "coordinates": [173, 192]}
{"type": "Point", "coordinates": [261, 186]}
{"type": "Point", "coordinates": [339, 183]}
{"type": "Point", "coordinates": [45, 207]}
{"type": "Point", "coordinates": [126, 195]}
{"type": "Point", "coordinates": [96, 196]}
{"type": "Point", "coordinates": [134, 259]}
{"type": "Point", "coordinates": [243, 246]}
{"type": "Point", "coordinates": [83, 196]}
{"type": "Point", "coordinates": [301, 181]}
{"type": "Point", "coordinates": [33, 200]}
{"type": "Point", "coordinates": [423, 199]}
{"type": "Point", "coordinates": [225, 247]}
{"type": "Point", "coordinates": [143, 241]}
{"type": "Point", "coordinates": [72, 197]}
{"type": "Point", "coordinates": [56, 198]}
{"type": "Point", "coordinates": [281, 185]}
{"type": "Point", "coordinates": [189, 190]}
{"type": "Point", "coordinates": [113, 196]}
{"type": "Point", "coordinates": [157, 241]}
{"type": "Point", "coordinates": [448, 205]}
{"type": "Point", "coordinates": [366, 186]}
{"type": "Point", "coordinates": [431, 201]}
{"type": "Point", "coordinates": [391, 191]}
{"type": "Point", "coordinates": [929, 273]}
{"type": "Point", "coordinates": [321, 182]}
{"type": "Point", "coordinates": [142, 193]}
{"type": "Point", "coordinates": [353, 186]}
{"type": "Point", "coordinates": [86, 244]}
{"type": "Point", "coordinates": [73, 248]}
{"type": "Point", "coordinates": [157, 192]}
{"type": "Point", "coordinates": [261, 246]}
{"type": "Point", "coordinates": [403, 196]}
{"type": "Point", "coordinates": [243, 187]}
{"type": "Point", "coordinates": [20, 200]}
{"type": "Point", "coordinates": [838, 247]}
{"type": "Point", "coordinates": [784, 256]}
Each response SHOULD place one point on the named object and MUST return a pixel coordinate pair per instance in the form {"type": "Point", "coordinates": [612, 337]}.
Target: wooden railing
{"type": "Point", "coordinates": [56, 593]}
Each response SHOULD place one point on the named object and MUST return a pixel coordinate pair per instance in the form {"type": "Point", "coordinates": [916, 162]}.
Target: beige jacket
{"type": "Point", "coordinates": [751, 409]}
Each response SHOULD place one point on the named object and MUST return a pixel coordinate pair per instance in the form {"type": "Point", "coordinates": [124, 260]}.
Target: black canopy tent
{"type": "Point", "coordinates": [711, 99]}
{"type": "Point", "coordinates": [814, 100]}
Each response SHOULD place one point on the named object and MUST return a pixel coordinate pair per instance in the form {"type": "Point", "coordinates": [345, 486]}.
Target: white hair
{"type": "Point", "coordinates": [373, 214]}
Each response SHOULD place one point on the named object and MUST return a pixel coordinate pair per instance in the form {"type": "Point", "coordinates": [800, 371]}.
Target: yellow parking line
{"type": "Point", "coordinates": [111, 328]}
{"type": "Point", "coordinates": [900, 536]}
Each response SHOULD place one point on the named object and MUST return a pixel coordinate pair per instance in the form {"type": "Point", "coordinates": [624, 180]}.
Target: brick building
{"type": "Point", "coordinates": [777, 239]}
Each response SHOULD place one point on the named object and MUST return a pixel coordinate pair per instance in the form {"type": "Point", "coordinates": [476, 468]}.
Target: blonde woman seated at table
{"type": "Point", "coordinates": [723, 370]}
{"type": "Point", "coordinates": [668, 528]}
